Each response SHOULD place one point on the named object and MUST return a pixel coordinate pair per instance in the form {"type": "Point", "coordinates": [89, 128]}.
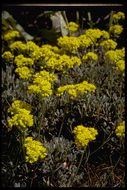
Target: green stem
{"type": "Point", "coordinates": [82, 155]}
{"type": "Point", "coordinates": [81, 159]}
{"type": "Point", "coordinates": [23, 148]}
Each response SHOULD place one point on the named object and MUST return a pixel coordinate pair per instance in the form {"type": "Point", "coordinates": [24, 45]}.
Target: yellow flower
{"type": "Point", "coordinates": [21, 117]}
{"type": "Point", "coordinates": [115, 55]}
{"type": "Point", "coordinates": [93, 34]}
{"type": "Point", "coordinates": [90, 56]}
{"type": "Point", "coordinates": [42, 83]}
{"type": "Point", "coordinates": [116, 29]}
{"type": "Point", "coordinates": [118, 16]}
{"type": "Point", "coordinates": [105, 34]}
{"type": "Point", "coordinates": [31, 46]}
{"type": "Point", "coordinates": [69, 43]}
{"type": "Point", "coordinates": [34, 150]}
{"type": "Point", "coordinates": [84, 41]}
{"type": "Point", "coordinates": [76, 89]}
{"type": "Point", "coordinates": [11, 34]}
{"type": "Point", "coordinates": [120, 65]}
{"type": "Point", "coordinates": [120, 130]}
{"type": "Point", "coordinates": [63, 62]}
{"type": "Point", "coordinates": [18, 46]}
{"type": "Point", "coordinates": [24, 72]}
{"type": "Point", "coordinates": [20, 61]}
{"type": "Point", "coordinates": [21, 120]}
{"type": "Point", "coordinates": [108, 44]}
{"type": "Point", "coordinates": [7, 56]}
{"type": "Point", "coordinates": [17, 105]}
{"type": "Point", "coordinates": [84, 135]}
{"type": "Point", "coordinates": [72, 26]}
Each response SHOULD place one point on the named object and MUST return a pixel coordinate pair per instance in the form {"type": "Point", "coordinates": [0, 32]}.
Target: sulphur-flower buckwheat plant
{"type": "Point", "coordinates": [116, 29]}
{"type": "Point", "coordinates": [42, 83]}
{"type": "Point", "coordinates": [120, 65]}
{"type": "Point", "coordinates": [76, 89]}
{"type": "Point", "coordinates": [85, 42]}
{"type": "Point", "coordinates": [34, 150]}
{"type": "Point", "coordinates": [18, 104]}
{"type": "Point", "coordinates": [108, 44]}
{"type": "Point", "coordinates": [90, 56]}
{"type": "Point", "coordinates": [93, 34]}
{"type": "Point", "coordinates": [18, 47]}
{"type": "Point", "coordinates": [7, 56]}
{"type": "Point", "coordinates": [63, 62]}
{"type": "Point", "coordinates": [10, 35]}
{"type": "Point", "coordinates": [72, 26]}
{"type": "Point", "coordinates": [20, 115]}
{"type": "Point", "coordinates": [120, 130]}
{"type": "Point", "coordinates": [24, 72]}
{"type": "Point", "coordinates": [20, 61]}
{"type": "Point", "coordinates": [70, 44]}
{"type": "Point", "coordinates": [118, 16]}
{"type": "Point", "coordinates": [115, 55]}
{"type": "Point", "coordinates": [84, 135]}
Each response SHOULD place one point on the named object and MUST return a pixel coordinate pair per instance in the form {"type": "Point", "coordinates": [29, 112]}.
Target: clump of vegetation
{"type": "Point", "coordinates": [63, 107]}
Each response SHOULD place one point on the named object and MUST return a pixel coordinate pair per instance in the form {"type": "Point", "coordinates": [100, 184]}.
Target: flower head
{"type": "Point", "coordinates": [76, 89]}
{"type": "Point", "coordinates": [90, 56]}
{"type": "Point", "coordinates": [118, 16]}
{"type": "Point", "coordinates": [72, 26]}
{"type": "Point", "coordinates": [20, 61]}
{"type": "Point", "coordinates": [7, 56]}
{"type": "Point", "coordinates": [120, 130]}
{"type": "Point", "coordinates": [24, 72]}
{"type": "Point", "coordinates": [21, 117]}
{"type": "Point", "coordinates": [93, 34]}
{"type": "Point", "coordinates": [34, 150]}
{"type": "Point", "coordinates": [116, 29]}
{"type": "Point", "coordinates": [69, 43]}
{"type": "Point", "coordinates": [84, 135]}
{"type": "Point", "coordinates": [11, 34]}
{"type": "Point", "coordinates": [42, 83]}
{"type": "Point", "coordinates": [108, 44]}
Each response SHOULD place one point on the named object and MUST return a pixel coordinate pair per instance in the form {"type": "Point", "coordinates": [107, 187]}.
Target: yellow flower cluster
{"type": "Point", "coordinates": [93, 34]}
{"type": "Point", "coordinates": [120, 130]}
{"type": "Point", "coordinates": [42, 83]}
{"type": "Point", "coordinates": [34, 150]}
{"type": "Point", "coordinates": [27, 48]}
{"type": "Point", "coordinates": [31, 47]}
{"type": "Point", "coordinates": [17, 105]}
{"type": "Point", "coordinates": [76, 89]}
{"type": "Point", "coordinates": [21, 117]}
{"type": "Point", "coordinates": [118, 16]}
{"type": "Point", "coordinates": [69, 43]}
{"type": "Point", "coordinates": [105, 34]}
{"type": "Point", "coordinates": [120, 65]}
{"type": "Point", "coordinates": [47, 47]}
{"type": "Point", "coordinates": [48, 51]}
{"type": "Point", "coordinates": [20, 61]}
{"type": "Point", "coordinates": [7, 56]}
{"type": "Point", "coordinates": [90, 56]}
{"type": "Point", "coordinates": [118, 57]}
{"type": "Point", "coordinates": [72, 26]}
{"type": "Point", "coordinates": [24, 72]}
{"type": "Point", "coordinates": [84, 41]}
{"type": "Point", "coordinates": [63, 62]}
{"type": "Point", "coordinates": [116, 29]}
{"type": "Point", "coordinates": [11, 34]}
{"type": "Point", "coordinates": [108, 44]}
{"type": "Point", "coordinates": [18, 46]}
{"type": "Point", "coordinates": [84, 135]}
